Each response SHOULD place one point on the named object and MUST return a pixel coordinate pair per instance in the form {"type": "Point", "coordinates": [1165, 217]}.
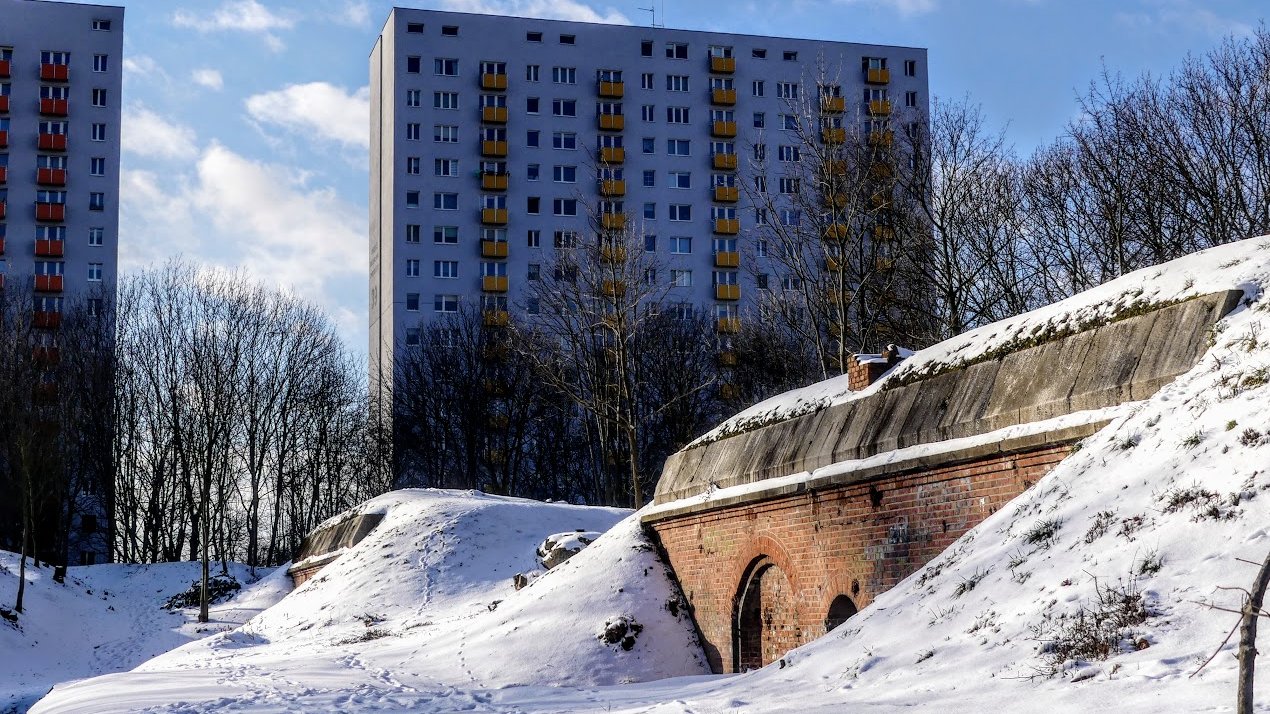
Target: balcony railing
{"type": "Point", "coordinates": [495, 318]}
{"type": "Point", "coordinates": [55, 72]}
{"type": "Point", "coordinates": [612, 154]}
{"type": "Point", "coordinates": [494, 216]}
{"type": "Point", "coordinates": [45, 248]}
{"type": "Point", "coordinates": [727, 226]}
{"type": "Point", "coordinates": [877, 75]}
{"type": "Point", "coordinates": [727, 292]}
{"type": "Point", "coordinates": [833, 105]}
{"type": "Point", "coordinates": [612, 122]}
{"type": "Point", "coordinates": [611, 90]}
{"type": "Point", "coordinates": [727, 259]}
{"type": "Point", "coordinates": [613, 187]}
{"type": "Point", "coordinates": [50, 177]}
{"type": "Point", "coordinates": [494, 115]}
{"type": "Point", "coordinates": [727, 194]}
{"type": "Point", "coordinates": [54, 107]}
{"type": "Point", "coordinates": [728, 325]}
{"type": "Point", "coordinates": [880, 107]}
{"type": "Point", "coordinates": [494, 81]}
{"type": "Point", "coordinates": [833, 135]}
{"type": "Point", "coordinates": [723, 129]}
{"type": "Point", "coordinates": [4, 138]}
{"type": "Point", "coordinates": [4, 104]}
{"type": "Point", "coordinates": [723, 65]}
{"type": "Point", "coordinates": [50, 142]}
{"type": "Point", "coordinates": [724, 162]}
{"type": "Point", "coordinates": [5, 69]}
{"type": "Point", "coordinates": [46, 319]}
{"type": "Point", "coordinates": [494, 283]}
{"type": "Point", "coordinates": [494, 182]}
{"type": "Point", "coordinates": [50, 211]}
{"type": "Point", "coordinates": [835, 231]}
{"type": "Point", "coordinates": [48, 283]}
{"type": "Point", "coordinates": [494, 148]}
{"type": "Point", "coordinates": [493, 249]}
{"type": "Point", "coordinates": [613, 221]}
{"type": "Point", "coordinates": [725, 97]}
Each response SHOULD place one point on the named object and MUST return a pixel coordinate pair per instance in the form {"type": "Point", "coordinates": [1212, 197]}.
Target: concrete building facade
{"type": "Point", "coordinates": [60, 98]}
{"type": "Point", "coordinates": [494, 139]}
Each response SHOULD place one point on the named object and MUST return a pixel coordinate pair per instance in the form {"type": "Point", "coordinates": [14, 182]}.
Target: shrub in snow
{"type": "Point", "coordinates": [560, 547]}
{"type": "Point", "coordinates": [219, 589]}
{"type": "Point", "coordinates": [622, 631]}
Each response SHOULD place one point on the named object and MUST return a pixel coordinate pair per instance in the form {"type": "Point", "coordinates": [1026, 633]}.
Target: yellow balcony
{"type": "Point", "coordinates": [881, 139]}
{"type": "Point", "coordinates": [613, 288]}
{"type": "Point", "coordinates": [728, 391]}
{"type": "Point", "coordinates": [833, 265]}
{"type": "Point", "coordinates": [612, 90]}
{"type": "Point", "coordinates": [495, 318]}
{"type": "Point", "coordinates": [833, 105]}
{"type": "Point", "coordinates": [612, 122]}
{"type": "Point", "coordinates": [835, 167]}
{"type": "Point", "coordinates": [494, 148]}
{"type": "Point", "coordinates": [494, 216]}
{"type": "Point", "coordinates": [723, 65]}
{"type": "Point", "coordinates": [494, 81]}
{"type": "Point", "coordinates": [494, 182]}
{"type": "Point", "coordinates": [833, 135]}
{"type": "Point", "coordinates": [883, 233]}
{"type": "Point", "coordinates": [724, 162]}
{"type": "Point", "coordinates": [612, 221]}
{"type": "Point", "coordinates": [493, 249]}
{"type": "Point", "coordinates": [835, 231]}
{"type": "Point", "coordinates": [727, 226]}
{"type": "Point", "coordinates": [612, 154]}
{"type": "Point", "coordinates": [494, 115]}
{"type": "Point", "coordinates": [880, 170]}
{"type": "Point", "coordinates": [728, 325]}
{"type": "Point", "coordinates": [612, 254]}
{"type": "Point", "coordinates": [884, 263]}
{"type": "Point", "coordinates": [494, 283]}
{"type": "Point", "coordinates": [727, 292]}
{"type": "Point", "coordinates": [727, 194]}
{"type": "Point", "coordinates": [835, 200]}
{"type": "Point", "coordinates": [880, 107]}
{"type": "Point", "coordinates": [723, 129]}
{"type": "Point", "coordinates": [877, 75]}
{"type": "Point", "coordinates": [613, 187]}
{"type": "Point", "coordinates": [727, 259]}
{"type": "Point", "coordinates": [727, 358]}
{"type": "Point", "coordinates": [879, 200]}
{"type": "Point", "coordinates": [726, 97]}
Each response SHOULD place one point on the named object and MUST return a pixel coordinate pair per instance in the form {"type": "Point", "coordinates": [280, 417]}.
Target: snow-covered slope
{"type": "Point", "coordinates": [1147, 522]}
{"type": "Point", "coordinates": [105, 618]}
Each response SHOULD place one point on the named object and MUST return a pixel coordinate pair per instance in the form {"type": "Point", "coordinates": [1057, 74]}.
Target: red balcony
{"type": "Point", "coordinates": [50, 212]}
{"type": "Point", "coordinates": [1, 246]}
{"type": "Point", "coordinates": [54, 107]}
{"type": "Point", "coordinates": [4, 139]}
{"type": "Point", "coordinates": [47, 356]}
{"type": "Point", "coordinates": [55, 72]}
{"type": "Point", "coordinates": [45, 394]}
{"type": "Point", "coordinates": [4, 175]}
{"type": "Point", "coordinates": [3, 208]}
{"type": "Point", "coordinates": [52, 142]}
{"type": "Point", "coordinates": [48, 283]}
{"type": "Point", "coordinates": [4, 104]}
{"type": "Point", "coordinates": [45, 248]}
{"type": "Point", "coordinates": [46, 318]}
{"type": "Point", "coordinates": [50, 177]}
{"type": "Point", "coordinates": [4, 69]}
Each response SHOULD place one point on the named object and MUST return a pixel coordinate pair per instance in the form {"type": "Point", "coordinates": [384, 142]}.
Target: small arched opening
{"type": "Point", "coordinates": [840, 610]}
{"type": "Point", "coordinates": [765, 626]}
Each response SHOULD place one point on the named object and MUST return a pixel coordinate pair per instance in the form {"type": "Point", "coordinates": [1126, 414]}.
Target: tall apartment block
{"type": "Point", "coordinates": [493, 139]}
{"type": "Point", "coordinates": [60, 84]}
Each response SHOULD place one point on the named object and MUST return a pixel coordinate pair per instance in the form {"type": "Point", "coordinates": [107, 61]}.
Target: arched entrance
{"type": "Point", "coordinates": [766, 624]}
{"type": "Point", "coordinates": [840, 610]}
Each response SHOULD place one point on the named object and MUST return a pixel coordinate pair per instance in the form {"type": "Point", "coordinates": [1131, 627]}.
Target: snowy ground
{"type": "Point", "coordinates": [1147, 521]}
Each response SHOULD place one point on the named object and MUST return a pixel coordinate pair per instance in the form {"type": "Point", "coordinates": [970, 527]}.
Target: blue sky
{"type": "Point", "coordinates": [245, 121]}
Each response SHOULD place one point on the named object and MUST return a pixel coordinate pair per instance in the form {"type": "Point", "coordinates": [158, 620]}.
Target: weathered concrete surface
{"type": "Point", "coordinates": [325, 544]}
{"type": "Point", "coordinates": [1105, 366]}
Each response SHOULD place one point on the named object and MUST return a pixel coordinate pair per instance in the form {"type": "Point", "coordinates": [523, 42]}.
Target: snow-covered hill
{"type": "Point", "coordinates": [1118, 552]}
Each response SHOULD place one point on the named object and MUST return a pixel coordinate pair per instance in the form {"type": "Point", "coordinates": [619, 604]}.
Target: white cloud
{"type": "Point", "coordinates": [209, 78]}
{"type": "Point", "coordinates": [317, 109]}
{"type": "Point", "coordinates": [355, 13]}
{"type": "Point", "coordinates": [147, 134]}
{"type": "Point", "coordinates": [548, 9]}
{"type": "Point", "coordinates": [907, 8]}
{"type": "Point", "coordinates": [1165, 16]}
{"type": "Point", "coordinates": [238, 15]}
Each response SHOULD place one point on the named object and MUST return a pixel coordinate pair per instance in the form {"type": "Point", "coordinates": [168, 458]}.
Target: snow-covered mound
{"type": "Point", "coordinates": [106, 618]}
{"type": "Point", "coordinates": [426, 602]}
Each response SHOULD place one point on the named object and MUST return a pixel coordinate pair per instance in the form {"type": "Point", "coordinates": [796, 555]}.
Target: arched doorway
{"type": "Point", "coordinates": [840, 610]}
{"type": "Point", "coordinates": [766, 624]}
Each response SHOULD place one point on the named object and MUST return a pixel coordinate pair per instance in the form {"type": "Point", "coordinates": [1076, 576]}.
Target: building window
{"type": "Point", "coordinates": [531, 72]}
{"type": "Point", "coordinates": [413, 163]}
{"type": "Point", "coordinates": [445, 269]}
{"type": "Point", "coordinates": [100, 63]}
{"type": "Point", "coordinates": [678, 147]}
{"type": "Point", "coordinates": [789, 56]}
{"type": "Point", "coordinates": [534, 238]}
{"type": "Point", "coordinates": [758, 53]}
{"type": "Point", "coordinates": [788, 153]}
{"type": "Point", "coordinates": [650, 211]}
{"type": "Point", "coordinates": [646, 48]}
{"type": "Point", "coordinates": [910, 68]}
{"type": "Point", "coordinates": [564, 107]}
{"type": "Point", "coordinates": [94, 272]}
{"type": "Point", "coordinates": [413, 64]}
{"type": "Point", "coordinates": [648, 145]}
{"type": "Point", "coordinates": [760, 120]}
{"type": "Point", "coordinates": [533, 37]}
{"type": "Point", "coordinates": [788, 184]}
{"type": "Point", "coordinates": [760, 184]}
{"type": "Point", "coordinates": [650, 178]}
{"type": "Point", "coordinates": [791, 217]}
{"type": "Point", "coordinates": [413, 131]}
{"type": "Point", "coordinates": [97, 166]}
{"type": "Point", "coordinates": [446, 303]}
{"type": "Point", "coordinates": [532, 205]}
{"type": "Point", "coordinates": [531, 172]}
{"type": "Point", "coordinates": [650, 244]}
{"type": "Point", "coordinates": [568, 39]}
{"type": "Point", "coordinates": [99, 97]}
{"type": "Point", "coordinates": [445, 100]}
{"type": "Point", "coordinates": [676, 83]}
{"type": "Point", "coordinates": [445, 201]}
{"type": "Point", "coordinates": [102, 25]}
{"type": "Point", "coordinates": [445, 235]}
{"type": "Point", "coordinates": [532, 138]}
{"type": "Point", "coordinates": [98, 132]}
{"type": "Point", "coordinates": [412, 302]}
{"type": "Point", "coordinates": [786, 90]}
{"type": "Point", "coordinates": [96, 201]}
{"type": "Point", "coordinates": [789, 121]}
{"type": "Point", "coordinates": [646, 80]}
{"type": "Point", "coordinates": [565, 239]}
{"type": "Point", "coordinates": [414, 28]}
{"type": "Point", "coordinates": [564, 75]}
{"type": "Point", "coordinates": [677, 115]}
{"type": "Point", "coordinates": [564, 174]}
{"type": "Point", "coordinates": [760, 248]}
{"type": "Point", "coordinates": [450, 30]}
{"type": "Point", "coordinates": [910, 99]}
{"type": "Point", "coordinates": [564, 207]}
{"type": "Point", "coordinates": [445, 134]}
{"type": "Point", "coordinates": [676, 50]}
{"type": "Point", "coordinates": [760, 281]}
{"type": "Point", "coordinates": [535, 272]}
{"type": "Point", "coordinates": [446, 167]}
{"type": "Point", "coordinates": [646, 112]}
{"type": "Point", "coordinates": [414, 97]}
{"type": "Point", "coordinates": [412, 199]}
{"type": "Point", "coordinates": [412, 268]}
{"type": "Point", "coordinates": [681, 278]}
{"type": "Point", "coordinates": [760, 152]}
{"type": "Point", "coordinates": [96, 236]}
{"type": "Point", "coordinates": [680, 212]}
{"type": "Point", "coordinates": [531, 105]}
{"type": "Point", "coordinates": [680, 179]}
{"type": "Point", "coordinates": [413, 231]}
{"type": "Point", "coordinates": [757, 87]}
{"type": "Point", "coordinates": [564, 140]}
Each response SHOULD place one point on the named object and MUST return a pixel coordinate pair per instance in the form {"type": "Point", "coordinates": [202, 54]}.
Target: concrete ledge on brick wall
{"type": "Point", "coordinates": [849, 474]}
{"type": "Point", "coordinates": [1104, 366]}
{"type": "Point", "coordinates": [326, 544]}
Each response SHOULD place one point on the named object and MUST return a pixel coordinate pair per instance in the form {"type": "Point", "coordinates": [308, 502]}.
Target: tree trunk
{"type": "Point", "coordinates": [1248, 638]}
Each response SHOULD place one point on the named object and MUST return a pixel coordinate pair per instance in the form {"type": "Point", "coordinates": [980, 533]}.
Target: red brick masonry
{"type": "Point", "coordinates": [789, 558]}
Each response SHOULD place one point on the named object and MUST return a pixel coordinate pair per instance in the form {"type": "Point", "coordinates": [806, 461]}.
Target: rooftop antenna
{"type": "Point", "coordinates": [653, 10]}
